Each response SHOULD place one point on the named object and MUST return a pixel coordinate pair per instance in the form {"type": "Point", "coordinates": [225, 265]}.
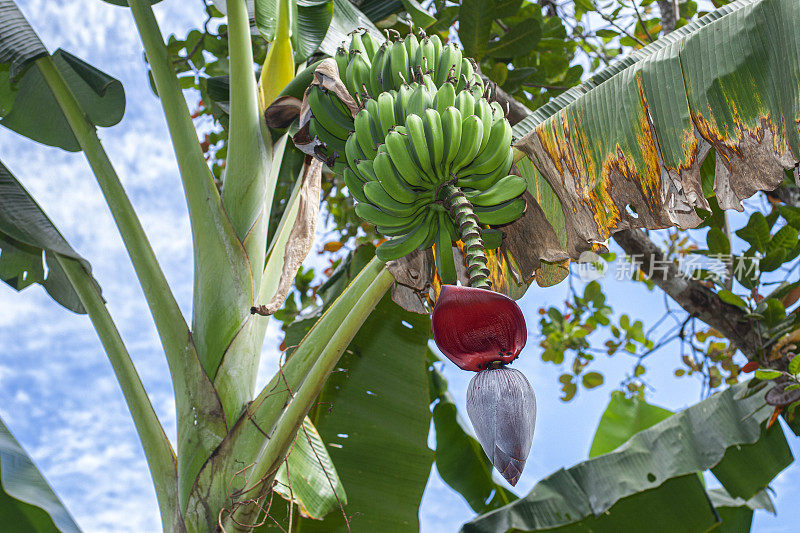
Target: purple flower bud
{"type": "Point", "coordinates": [502, 407]}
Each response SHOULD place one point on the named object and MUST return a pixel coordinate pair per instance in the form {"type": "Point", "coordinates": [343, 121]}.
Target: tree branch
{"type": "Point", "coordinates": [695, 298]}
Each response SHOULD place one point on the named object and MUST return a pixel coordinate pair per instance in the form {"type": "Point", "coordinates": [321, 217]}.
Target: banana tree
{"type": "Point", "coordinates": [432, 167]}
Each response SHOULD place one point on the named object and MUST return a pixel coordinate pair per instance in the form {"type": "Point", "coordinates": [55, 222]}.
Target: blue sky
{"type": "Point", "coordinates": [57, 392]}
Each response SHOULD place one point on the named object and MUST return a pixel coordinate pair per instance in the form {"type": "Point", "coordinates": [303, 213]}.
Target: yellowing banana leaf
{"type": "Point", "coordinates": [624, 149]}
{"type": "Point", "coordinates": [27, 502]}
{"type": "Point", "coordinates": [647, 478]}
{"type": "Point", "coordinates": [28, 244]}
{"type": "Point", "coordinates": [308, 477]}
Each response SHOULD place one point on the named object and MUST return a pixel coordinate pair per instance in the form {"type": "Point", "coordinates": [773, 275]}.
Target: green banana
{"type": "Point", "coordinates": [435, 138]}
{"type": "Point", "coordinates": [402, 229]}
{"type": "Point", "coordinates": [436, 42]}
{"type": "Point", "coordinates": [504, 213]}
{"type": "Point", "coordinates": [497, 111]}
{"type": "Point", "coordinates": [451, 129]}
{"type": "Point", "coordinates": [400, 246]}
{"type": "Point", "coordinates": [465, 103]}
{"type": "Point", "coordinates": [354, 154]}
{"type": "Point", "coordinates": [419, 100]}
{"type": "Point", "coordinates": [386, 116]}
{"type": "Point", "coordinates": [400, 152]}
{"type": "Point", "coordinates": [342, 58]}
{"type": "Point", "coordinates": [357, 75]}
{"type": "Point", "coordinates": [399, 64]}
{"type": "Point", "coordinates": [445, 97]}
{"type": "Point", "coordinates": [449, 64]}
{"type": "Point", "coordinates": [484, 181]}
{"type": "Point", "coordinates": [416, 136]}
{"type": "Point", "coordinates": [425, 55]}
{"type": "Point", "coordinates": [364, 134]}
{"type": "Point", "coordinates": [370, 43]}
{"type": "Point", "coordinates": [356, 43]}
{"type": "Point", "coordinates": [367, 170]}
{"type": "Point", "coordinates": [354, 185]}
{"type": "Point", "coordinates": [377, 216]}
{"type": "Point", "coordinates": [378, 196]}
{"type": "Point", "coordinates": [503, 190]}
{"type": "Point", "coordinates": [376, 65]}
{"type": "Point", "coordinates": [412, 44]}
{"type": "Point", "coordinates": [387, 81]}
{"type": "Point", "coordinates": [471, 136]}
{"type": "Point", "coordinates": [327, 113]}
{"type": "Point", "coordinates": [484, 112]}
{"type": "Point", "coordinates": [334, 146]}
{"type": "Point", "coordinates": [497, 149]}
{"type": "Point", "coordinates": [390, 179]}
{"type": "Point", "coordinates": [476, 89]}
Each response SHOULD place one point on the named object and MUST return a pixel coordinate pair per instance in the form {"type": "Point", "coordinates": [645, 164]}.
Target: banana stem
{"type": "Point", "coordinates": [460, 209]}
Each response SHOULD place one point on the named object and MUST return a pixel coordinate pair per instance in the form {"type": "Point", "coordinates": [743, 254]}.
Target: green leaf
{"type": "Point", "coordinates": [27, 502]}
{"type": "Point", "coordinates": [622, 419]}
{"type": "Point", "coordinates": [377, 10]}
{"type": "Point", "coordinates": [747, 469]}
{"type": "Point", "coordinates": [794, 367]}
{"type": "Point", "coordinates": [460, 460]}
{"type": "Point", "coordinates": [644, 481]}
{"type": "Point", "coordinates": [756, 232]}
{"type": "Point", "coordinates": [786, 237]}
{"type": "Point", "coordinates": [592, 380]}
{"type": "Point", "coordinates": [774, 312]}
{"type": "Point", "coordinates": [346, 18]}
{"type": "Point", "coordinates": [37, 115]}
{"type": "Point", "coordinates": [374, 415]}
{"type": "Point", "coordinates": [309, 477]}
{"type": "Point", "coordinates": [19, 44]}
{"type": "Point", "coordinates": [520, 40]}
{"type": "Point", "coordinates": [718, 242]}
{"type": "Point", "coordinates": [729, 298]}
{"type": "Point", "coordinates": [475, 22]}
{"type": "Point", "coordinates": [767, 374]}
{"type": "Point", "coordinates": [310, 23]}
{"type": "Point", "coordinates": [25, 233]}
{"type": "Point", "coordinates": [736, 513]}
{"type": "Point", "coordinates": [507, 8]}
{"type": "Point", "coordinates": [419, 15]}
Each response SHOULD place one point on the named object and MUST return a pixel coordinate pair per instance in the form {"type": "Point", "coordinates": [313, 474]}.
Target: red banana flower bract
{"type": "Point", "coordinates": [476, 327]}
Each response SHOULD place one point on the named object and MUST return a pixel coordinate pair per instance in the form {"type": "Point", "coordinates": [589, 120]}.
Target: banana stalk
{"type": "Point", "coordinates": [462, 213]}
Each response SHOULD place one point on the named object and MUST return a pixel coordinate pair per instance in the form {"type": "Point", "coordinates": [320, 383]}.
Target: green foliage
{"type": "Point", "coordinates": [29, 243]}
{"type": "Point", "coordinates": [654, 470]}
{"type": "Point", "coordinates": [26, 499]}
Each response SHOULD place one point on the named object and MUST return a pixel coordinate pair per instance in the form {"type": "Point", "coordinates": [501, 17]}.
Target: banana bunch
{"type": "Point", "coordinates": [408, 144]}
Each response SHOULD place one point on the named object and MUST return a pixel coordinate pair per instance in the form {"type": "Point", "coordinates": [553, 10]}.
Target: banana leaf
{"type": "Point", "coordinates": [374, 416]}
{"type": "Point", "coordinates": [27, 502]}
{"type": "Point", "coordinates": [624, 149]}
{"type": "Point", "coordinates": [28, 244]}
{"type": "Point", "coordinates": [654, 470]}
{"type": "Point", "coordinates": [308, 476]}
{"type": "Point", "coordinates": [28, 107]}
{"type": "Point", "coordinates": [622, 419]}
